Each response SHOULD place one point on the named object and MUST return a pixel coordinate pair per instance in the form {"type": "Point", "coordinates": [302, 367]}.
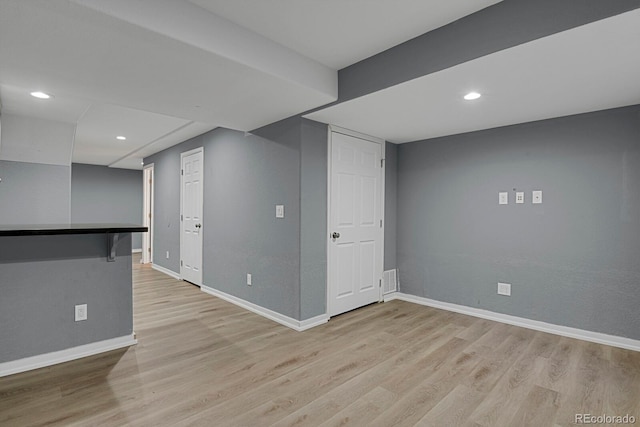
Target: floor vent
{"type": "Point", "coordinates": [390, 281]}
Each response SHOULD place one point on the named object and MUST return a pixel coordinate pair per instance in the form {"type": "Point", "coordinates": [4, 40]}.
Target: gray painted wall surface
{"type": "Point", "coordinates": [245, 177]}
{"type": "Point", "coordinates": [313, 220]}
{"type": "Point", "coordinates": [390, 205]}
{"type": "Point", "coordinates": [42, 278]}
{"type": "Point", "coordinates": [33, 193]}
{"type": "Point", "coordinates": [103, 194]}
{"type": "Point", "coordinates": [501, 26]}
{"type": "Point", "coordinates": [572, 260]}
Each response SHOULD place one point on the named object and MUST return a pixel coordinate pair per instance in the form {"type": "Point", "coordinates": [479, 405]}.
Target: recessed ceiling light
{"type": "Point", "coordinates": [41, 95]}
{"type": "Point", "coordinates": [121, 138]}
{"type": "Point", "coordinates": [472, 95]}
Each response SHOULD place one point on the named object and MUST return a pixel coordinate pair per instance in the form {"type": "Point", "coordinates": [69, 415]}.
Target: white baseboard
{"type": "Point", "coordinates": [136, 251]}
{"type": "Point", "coordinates": [298, 325]}
{"type": "Point", "coordinates": [565, 331]}
{"type": "Point", "coordinates": [53, 358]}
{"type": "Point", "coordinates": [166, 271]}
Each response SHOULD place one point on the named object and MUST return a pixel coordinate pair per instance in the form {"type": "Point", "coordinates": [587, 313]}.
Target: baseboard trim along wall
{"type": "Point", "coordinates": [53, 358]}
{"type": "Point", "coordinates": [565, 331]}
{"type": "Point", "coordinates": [298, 325]}
{"type": "Point", "coordinates": [166, 271]}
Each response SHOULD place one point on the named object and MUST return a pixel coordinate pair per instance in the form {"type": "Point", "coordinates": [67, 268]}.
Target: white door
{"type": "Point", "coordinates": [191, 195]}
{"type": "Point", "coordinates": [355, 223]}
{"type": "Point", "coordinates": [147, 238]}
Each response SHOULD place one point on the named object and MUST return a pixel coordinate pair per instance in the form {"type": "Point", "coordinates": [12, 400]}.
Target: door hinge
{"type": "Point", "coordinates": [381, 163]}
{"type": "Point", "coordinates": [149, 180]}
{"type": "Point", "coordinates": [180, 262]}
{"type": "Point", "coordinates": [380, 282]}
{"type": "Point", "coordinates": [181, 171]}
{"type": "Point", "coordinates": [149, 215]}
{"type": "Point", "coordinates": [380, 223]}
{"type": "Point", "coordinates": [181, 218]}
{"type": "Point", "coordinates": [149, 250]}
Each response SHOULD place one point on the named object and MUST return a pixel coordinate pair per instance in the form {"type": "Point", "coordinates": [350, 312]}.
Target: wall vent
{"type": "Point", "coordinates": [390, 281]}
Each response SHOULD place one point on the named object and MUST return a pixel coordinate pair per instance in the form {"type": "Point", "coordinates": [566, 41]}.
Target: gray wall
{"type": "Point", "coordinates": [33, 193]}
{"type": "Point", "coordinates": [42, 278]}
{"type": "Point", "coordinates": [390, 205]}
{"type": "Point", "coordinates": [313, 220]}
{"type": "Point", "coordinates": [245, 177]}
{"type": "Point", "coordinates": [103, 194]}
{"type": "Point", "coordinates": [572, 260]}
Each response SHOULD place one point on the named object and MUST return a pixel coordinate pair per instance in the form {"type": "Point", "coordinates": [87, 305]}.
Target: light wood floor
{"type": "Point", "coordinates": [202, 361]}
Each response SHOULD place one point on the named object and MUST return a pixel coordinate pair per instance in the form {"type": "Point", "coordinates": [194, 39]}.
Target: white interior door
{"type": "Point", "coordinates": [355, 223]}
{"type": "Point", "coordinates": [191, 196]}
{"type": "Point", "coordinates": [147, 238]}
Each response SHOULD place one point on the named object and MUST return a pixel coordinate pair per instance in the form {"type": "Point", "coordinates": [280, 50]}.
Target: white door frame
{"type": "Point", "coordinates": [182, 156]}
{"type": "Point", "coordinates": [337, 129]}
{"type": "Point", "coordinates": [148, 205]}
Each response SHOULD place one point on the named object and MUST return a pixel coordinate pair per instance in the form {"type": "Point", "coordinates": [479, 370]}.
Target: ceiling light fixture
{"type": "Point", "coordinates": [121, 138]}
{"type": "Point", "coordinates": [41, 95]}
{"type": "Point", "coordinates": [472, 95]}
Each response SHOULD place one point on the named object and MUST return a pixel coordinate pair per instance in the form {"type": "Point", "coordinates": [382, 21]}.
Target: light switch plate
{"type": "Point", "coordinates": [520, 197]}
{"type": "Point", "coordinates": [503, 198]}
{"type": "Point", "coordinates": [279, 211]}
{"type": "Point", "coordinates": [536, 197]}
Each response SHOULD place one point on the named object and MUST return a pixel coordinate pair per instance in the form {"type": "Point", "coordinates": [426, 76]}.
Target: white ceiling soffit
{"type": "Point", "coordinates": [339, 33]}
{"type": "Point", "coordinates": [96, 142]}
{"type": "Point", "coordinates": [190, 24]}
{"type": "Point", "coordinates": [133, 160]}
{"type": "Point", "coordinates": [75, 51]}
{"type": "Point", "coordinates": [36, 140]}
{"type": "Point", "coordinates": [589, 68]}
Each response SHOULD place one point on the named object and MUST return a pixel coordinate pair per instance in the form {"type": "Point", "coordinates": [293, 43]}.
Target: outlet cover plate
{"type": "Point", "coordinates": [520, 197]}
{"type": "Point", "coordinates": [248, 279]}
{"type": "Point", "coordinates": [536, 197]}
{"type": "Point", "coordinates": [81, 312]}
{"type": "Point", "coordinates": [279, 211]}
{"type": "Point", "coordinates": [504, 289]}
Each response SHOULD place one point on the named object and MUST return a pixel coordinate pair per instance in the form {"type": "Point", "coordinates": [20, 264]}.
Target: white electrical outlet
{"type": "Point", "coordinates": [249, 279]}
{"type": "Point", "coordinates": [503, 198]}
{"type": "Point", "coordinates": [167, 254]}
{"type": "Point", "coordinates": [81, 312]}
{"type": "Point", "coordinates": [504, 289]}
{"type": "Point", "coordinates": [520, 197]}
{"type": "Point", "coordinates": [279, 211]}
{"type": "Point", "coordinates": [536, 197]}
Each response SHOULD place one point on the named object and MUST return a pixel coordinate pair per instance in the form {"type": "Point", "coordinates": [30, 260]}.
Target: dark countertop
{"type": "Point", "coordinates": [53, 229]}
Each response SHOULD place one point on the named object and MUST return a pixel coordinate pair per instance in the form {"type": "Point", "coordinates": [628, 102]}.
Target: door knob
{"type": "Point", "coordinates": [335, 235]}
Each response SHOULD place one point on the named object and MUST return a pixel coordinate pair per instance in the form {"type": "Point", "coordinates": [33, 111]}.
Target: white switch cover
{"type": "Point", "coordinates": [520, 197]}
{"type": "Point", "coordinates": [249, 279]}
{"type": "Point", "coordinates": [279, 211]}
{"type": "Point", "coordinates": [81, 312]}
{"type": "Point", "coordinates": [536, 197]}
{"type": "Point", "coordinates": [503, 198]}
{"type": "Point", "coordinates": [504, 289]}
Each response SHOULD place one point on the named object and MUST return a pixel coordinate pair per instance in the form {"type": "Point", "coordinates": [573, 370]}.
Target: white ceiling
{"type": "Point", "coordinates": [589, 68]}
{"type": "Point", "coordinates": [339, 33]}
{"type": "Point", "coordinates": [163, 71]}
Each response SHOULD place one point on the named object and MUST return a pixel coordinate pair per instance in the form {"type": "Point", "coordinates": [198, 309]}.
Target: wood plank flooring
{"type": "Point", "coordinates": [203, 361]}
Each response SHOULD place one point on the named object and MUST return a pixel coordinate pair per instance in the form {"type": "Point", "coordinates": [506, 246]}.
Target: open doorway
{"type": "Point", "coordinates": [147, 220]}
